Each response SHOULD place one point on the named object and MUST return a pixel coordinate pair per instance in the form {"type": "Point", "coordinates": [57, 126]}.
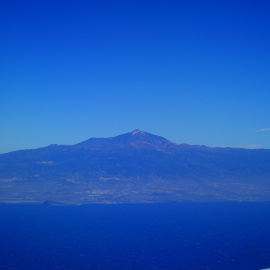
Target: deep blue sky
{"type": "Point", "coordinates": [194, 72]}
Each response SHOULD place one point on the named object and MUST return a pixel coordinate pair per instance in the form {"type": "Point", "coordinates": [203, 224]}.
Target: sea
{"type": "Point", "coordinates": [172, 236]}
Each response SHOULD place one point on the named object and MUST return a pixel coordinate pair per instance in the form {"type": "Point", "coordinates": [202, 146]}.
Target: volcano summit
{"type": "Point", "coordinates": [134, 167]}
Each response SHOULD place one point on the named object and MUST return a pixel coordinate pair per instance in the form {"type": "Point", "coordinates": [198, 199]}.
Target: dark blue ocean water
{"type": "Point", "coordinates": [213, 236]}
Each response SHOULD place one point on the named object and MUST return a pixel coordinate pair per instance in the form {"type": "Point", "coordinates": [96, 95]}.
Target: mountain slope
{"type": "Point", "coordinates": [134, 167]}
{"type": "Point", "coordinates": [137, 138]}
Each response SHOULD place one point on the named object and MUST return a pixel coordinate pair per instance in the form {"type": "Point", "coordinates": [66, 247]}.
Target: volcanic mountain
{"type": "Point", "coordinates": [134, 167]}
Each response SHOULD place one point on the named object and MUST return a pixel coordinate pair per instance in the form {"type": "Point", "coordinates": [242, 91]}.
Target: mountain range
{"type": "Point", "coordinates": [134, 167]}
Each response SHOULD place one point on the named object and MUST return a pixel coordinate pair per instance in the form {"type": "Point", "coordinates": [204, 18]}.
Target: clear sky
{"type": "Point", "coordinates": [194, 72]}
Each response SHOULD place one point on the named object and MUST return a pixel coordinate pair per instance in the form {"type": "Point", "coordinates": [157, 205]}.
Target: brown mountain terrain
{"type": "Point", "coordinates": [133, 167]}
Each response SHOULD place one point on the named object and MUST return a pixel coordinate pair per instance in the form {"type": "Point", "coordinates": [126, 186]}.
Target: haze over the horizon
{"type": "Point", "coordinates": [194, 72]}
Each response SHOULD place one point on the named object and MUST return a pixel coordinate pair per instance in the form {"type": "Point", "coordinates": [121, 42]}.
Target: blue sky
{"type": "Point", "coordinates": [193, 72]}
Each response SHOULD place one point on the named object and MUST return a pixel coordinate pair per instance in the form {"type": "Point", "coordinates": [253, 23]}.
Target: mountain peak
{"type": "Point", "coordinates": [135, 138]}
{"type": "Point", "coordinates": [137, 131]}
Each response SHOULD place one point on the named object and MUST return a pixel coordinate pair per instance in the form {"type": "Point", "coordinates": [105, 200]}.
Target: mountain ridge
{"type": "Point", "coordinates": [130, 168]}
{"type": "Point", "coordinates": [136, 138]}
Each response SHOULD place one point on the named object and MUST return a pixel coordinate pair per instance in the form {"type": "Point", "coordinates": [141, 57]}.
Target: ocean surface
{"type": "Point", "coordinates": [187, 236]}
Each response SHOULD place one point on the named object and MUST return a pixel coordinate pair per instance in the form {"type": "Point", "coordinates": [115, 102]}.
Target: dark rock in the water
{"type": "Point", "coordinates": [51, 203]}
